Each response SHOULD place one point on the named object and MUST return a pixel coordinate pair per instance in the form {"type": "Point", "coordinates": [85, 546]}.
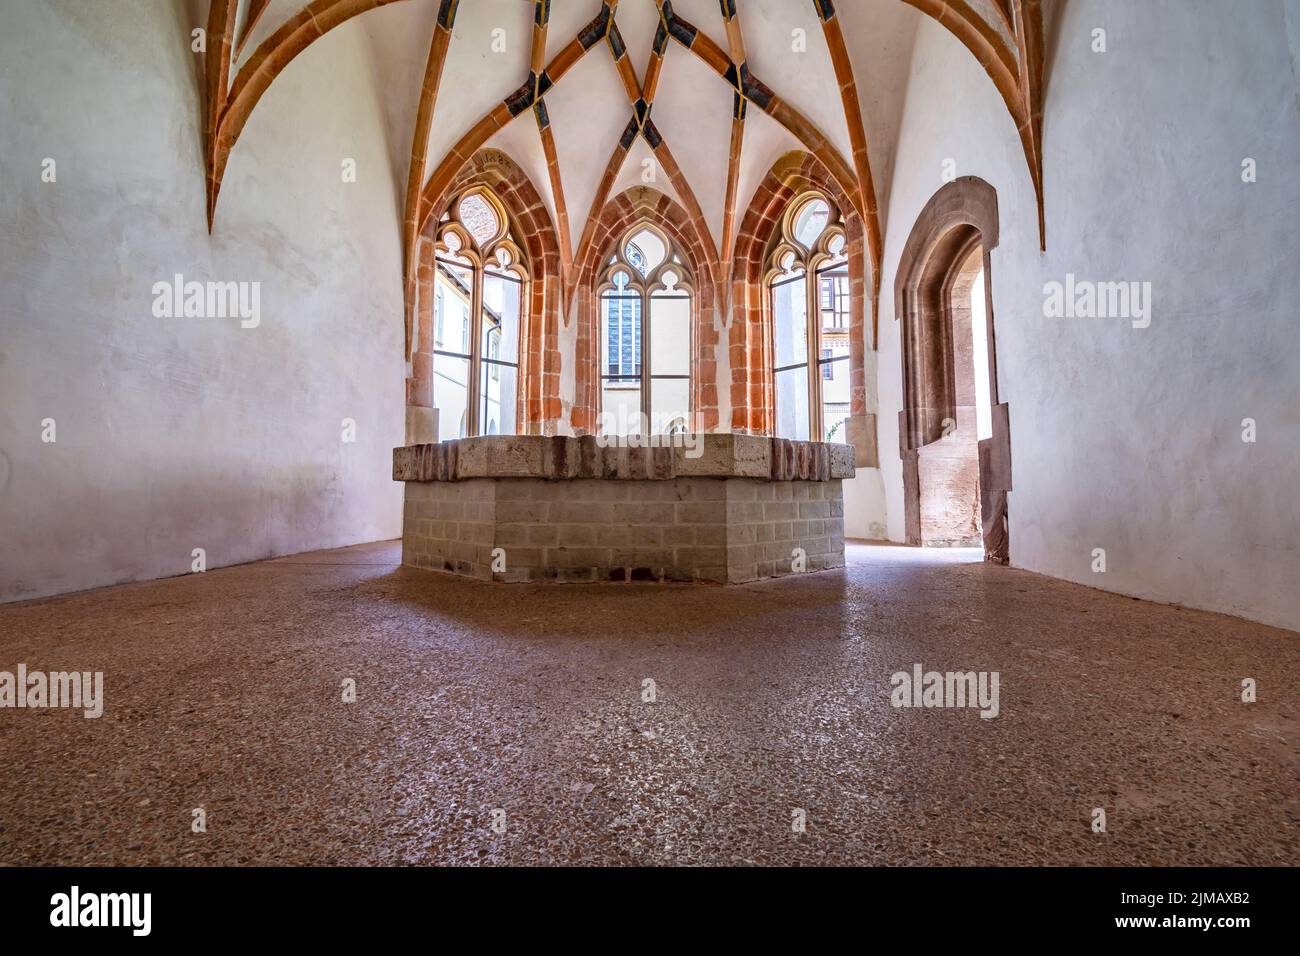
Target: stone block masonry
{"type": "Point", "coordinates": [489, 510]}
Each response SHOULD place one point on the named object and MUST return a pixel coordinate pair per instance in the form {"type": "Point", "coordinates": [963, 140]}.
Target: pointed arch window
{"type": "Point", "coordinates": [647, 302]}
{"type": "Point", "coordinates": [808, 286]}
{"type": "Point", "coordinates": [479, 282]}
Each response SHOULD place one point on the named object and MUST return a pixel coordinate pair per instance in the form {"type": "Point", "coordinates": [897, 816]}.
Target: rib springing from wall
{"type": "Point", "coordinates": [433, 69]}
{"type": "Point", "coordinates": [1017, 74]}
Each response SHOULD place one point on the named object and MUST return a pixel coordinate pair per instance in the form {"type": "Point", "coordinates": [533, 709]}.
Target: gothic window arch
{"type": "Point", "coordinates": [647, 301]}
{"type": "Point", "coordinates": [479, 295]}
{"type": "Point", "coordinates": [808, 288]}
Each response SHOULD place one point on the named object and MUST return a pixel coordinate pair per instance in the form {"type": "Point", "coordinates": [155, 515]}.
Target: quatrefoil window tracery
{"type": "Point", "coordinates": [810, 307]}
{"type": "Point", "coordinates": [480, 298]}
{"type": "Point", "coordinates": [647, 300]}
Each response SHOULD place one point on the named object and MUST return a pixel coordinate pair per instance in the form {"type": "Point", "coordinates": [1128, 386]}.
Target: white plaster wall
{"type": "Point", "coordinates": [1130, 439]}
{"type": "Point", "coordinates": [174, 434]}
{"type": "Point", "coordinates": [866, 504]}
{"type": "Point", "coordinates": [805, 79]}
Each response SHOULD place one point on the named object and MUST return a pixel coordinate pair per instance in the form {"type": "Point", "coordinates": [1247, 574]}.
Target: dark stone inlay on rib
{"type": "Point", "coordinates": [732, 76]}
{"type": "Point", "coordinates": [522, 98]}
{"type": "Point", "coordinates": [661, 39]}
{"type": "Point", "coordinates": [629, 134]}
{"type": "Point", "coordinates": [616, 45]}
{"type": "Point", "coordinates": [681, 30]}
{"type": "Point", "coordinates": [758, 92]}
{"type": "Point", "coordinates": [595, 31]}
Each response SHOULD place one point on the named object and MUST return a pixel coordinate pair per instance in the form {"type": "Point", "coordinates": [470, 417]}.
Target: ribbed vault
{"type": "Point", "coordinates": [573, 66]}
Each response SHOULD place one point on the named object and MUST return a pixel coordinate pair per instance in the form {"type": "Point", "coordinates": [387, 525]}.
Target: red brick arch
{"type": "Point", "coordinates": [620, 214]}
{"type": "Point", "coordinates": [539, 399]}
{"type": "Point", "coordinates": [750, 339]}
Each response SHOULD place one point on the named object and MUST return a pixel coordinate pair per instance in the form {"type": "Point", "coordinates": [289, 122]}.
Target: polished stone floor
{"type": "Point", "coordinates": [483, 707]}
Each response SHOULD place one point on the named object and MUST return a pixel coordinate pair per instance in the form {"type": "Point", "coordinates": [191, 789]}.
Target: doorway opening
{"type": "Point", "coordinates": [954, 435]}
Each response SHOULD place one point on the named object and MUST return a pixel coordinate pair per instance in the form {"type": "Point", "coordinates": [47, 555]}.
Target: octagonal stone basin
{"type": "Point", "coordinates": [717, 508]}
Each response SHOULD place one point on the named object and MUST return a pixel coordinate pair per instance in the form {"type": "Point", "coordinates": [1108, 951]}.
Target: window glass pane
{"type": "Point", "coordinates": [645, 251]}
{"type": "Point", "coordinates": [620, 407]}
{"type": "Point", "coordinates": [811, 222]}
{"type": "Point", "coordinates": [452, 289]}
{"type": "Point", "coordinates": [670, 344]}
{"type": "Point", "coordinates": [792, 403]}
{"type": "Point", "coordinates": [497, 383]}
{"type": "Point", "coordinates": [833, 297]}
{"type": "Point", "coordinates": [497, 393]}
{"type": "Point", "coordinates": [453, 245]}
{"type": "Point", "coordinates": [621, 335]}
{"type": "Point", "coordinates": [501, 318]}
{"type": "Point", "coordinates": [835, 418]}
{"type": "Point", "coordinates": [790, 321]}
{"type": "Point", "coordinates": [670, 405]}
{"type": "Point", "coordinates": [478, 216]}
{"type": "Point", "coordinates": [835, 392]}
{"type": "Point", "coordinates": [450, 395]}
{"type": "Point", "coordinates": [621, 358]}
{"type": "Point", "coordinates": [670, 334]}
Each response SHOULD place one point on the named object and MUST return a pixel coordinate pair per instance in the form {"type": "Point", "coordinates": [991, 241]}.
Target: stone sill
{"type": "Point", "coordinates": [560, 458]}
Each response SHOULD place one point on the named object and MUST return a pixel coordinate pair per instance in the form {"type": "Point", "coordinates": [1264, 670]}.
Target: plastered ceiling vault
{"type": "Point", "coordinates": [591, 97]}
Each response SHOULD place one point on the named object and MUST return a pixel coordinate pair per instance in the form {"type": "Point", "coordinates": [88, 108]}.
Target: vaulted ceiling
{"type": "Point", "coordinates": [590, 97]}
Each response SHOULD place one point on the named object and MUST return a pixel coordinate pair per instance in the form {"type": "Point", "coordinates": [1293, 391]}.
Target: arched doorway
{"type": "Point", "coordinates": [954, 434]}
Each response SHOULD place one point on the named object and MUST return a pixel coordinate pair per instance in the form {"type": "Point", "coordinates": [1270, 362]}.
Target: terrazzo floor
{"type": "Point", "coordinates": [516, 708]}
